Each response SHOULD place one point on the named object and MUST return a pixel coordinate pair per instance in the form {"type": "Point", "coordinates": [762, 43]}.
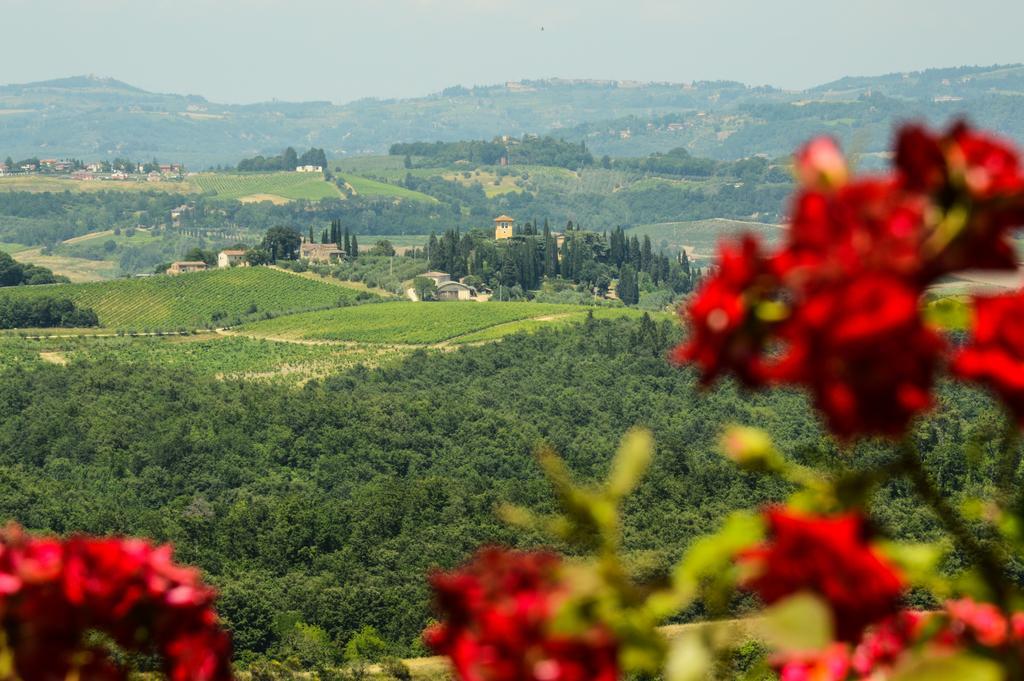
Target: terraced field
{"type": "Point", "coordinates": [192, 300]}
{"type": "Point", "coordinates": [277, 187]}
{"type": "Point", "coordinates": [420, 323]}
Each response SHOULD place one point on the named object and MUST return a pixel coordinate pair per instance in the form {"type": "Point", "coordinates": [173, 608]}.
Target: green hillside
{"type": "Point", "coordinates": [701, 237]}
{"type": "Point", "coordinates": [276, 187]}
{"type": "Point", "coordinates": [421, 323]}
{"type": "Point", "coordinates": [364, 186]}
{"type": "Point", "coordinates": [192, 300]}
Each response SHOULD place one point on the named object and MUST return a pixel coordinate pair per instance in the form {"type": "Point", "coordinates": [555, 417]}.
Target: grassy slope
{"type": "Point", "coordinates": [414, 323]}
{"type": "Point", "coordinates": [364, 186]}
{"type": "Point", "coordinates": [224, 356]}
{"type": "Point", "coordinates": [292, 186]}
{"type": "Point", "coordinates": [190, 300]}
{"type": "Point", "coordinates": [701, 237]}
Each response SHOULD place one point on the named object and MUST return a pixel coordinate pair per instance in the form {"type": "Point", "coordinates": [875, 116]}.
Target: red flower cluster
{"type": "Point", "coordinates": [836, 309]}
{"type": "Point", "coordinates": [53, 592]}
{"type": "Point", "coordinates": [831, 558]}
{"type": "Point", "coordinates": [964, 625]}
{"type": "Point", "coordinates": [499, 610]}
{"type": "Point", "coordinates": [877, 653]}
{"type": "Point", "coordinates": [995, 355]}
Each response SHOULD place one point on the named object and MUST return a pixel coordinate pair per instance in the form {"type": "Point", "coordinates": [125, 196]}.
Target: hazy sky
{"type": "Point", "coordinates": [340, 50]}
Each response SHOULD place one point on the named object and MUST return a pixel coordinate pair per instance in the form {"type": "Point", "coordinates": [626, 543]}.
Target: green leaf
{"type": "Point", "coordinates": [688, 659]}
{"type": "Point", "coordinates": [918, 562]}
{"type": "Point", "coordinates": [631, 462]}
{"type": "Point", "coordinates": [951, 668]}
{"type": "Point", "coordinates": [800, 623]}
{"type": "Point", "coordinates": [710, 556]}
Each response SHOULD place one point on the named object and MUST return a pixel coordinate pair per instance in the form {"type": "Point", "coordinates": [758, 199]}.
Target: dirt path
{"type": "Point", "coordinates": [54, 358]}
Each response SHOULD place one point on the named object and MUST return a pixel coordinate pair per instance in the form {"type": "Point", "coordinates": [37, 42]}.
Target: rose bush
{"type": "Point", "coordinates": [839, 310]}
{"type": "Point", "coordinates": [58, 596]}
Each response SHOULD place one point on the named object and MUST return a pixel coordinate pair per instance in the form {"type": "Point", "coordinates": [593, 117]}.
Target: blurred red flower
{"type": "Point", "coordinates": [837, 308]}
{"type": "Point", "coordinates": [53, 592]}
{"type": "Point", "coordinates": [995, 354]}
{"type": "Point", "coordinates": [829, 557]}
{"type": "Point", "coordinates": [862, 350]}
{"type": "Point", "coordinates": [498, 612]}
{"type": "Point", "coordinates": [975, 182]}
{"type": "Point", "coordinates": [727, 330]}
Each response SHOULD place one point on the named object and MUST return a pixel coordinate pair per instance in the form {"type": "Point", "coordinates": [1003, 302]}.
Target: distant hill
{"type": "Point", "coordinates": [96, 118]}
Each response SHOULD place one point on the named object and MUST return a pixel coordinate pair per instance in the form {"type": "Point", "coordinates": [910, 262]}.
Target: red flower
{"type": "Point", "coordinates": [995, 354]}
{"type": "Point", "coordinates": [831, 664]}
{"type": "Point", "coordinates": [861, 348]}
{"type": "Point", "coordinates": [920, 160]}
{"type": "Point", "coordinates": [52, 593]}
{"type": "Point", "coordinates": [975, 182]}
{"type": "Point", "coordinates": [728, 331]}
{"type": "Point", "coordinates": [821, 165]}
{"type": "Point", "coordinates": [982, 622]}
{"type": "Point", "coordinates": [868, 225]}
{"type": "Point", "coordinates": [884, 643]}
{"type": "Point", "coordinates": [831, 558]}
{"type": "Point", "coordinates": [499, 610]}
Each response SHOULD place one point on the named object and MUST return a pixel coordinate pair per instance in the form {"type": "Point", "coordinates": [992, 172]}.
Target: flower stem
{"type": "Point", "coordinates": [991, 565]}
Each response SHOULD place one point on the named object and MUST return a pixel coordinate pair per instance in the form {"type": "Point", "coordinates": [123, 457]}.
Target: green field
{"type": "Point", "coordinates": [44, 183]}
{"type": "Point", "coordinates": [274, 187]}
{"type": "Point", "coordinates": [191, 300]}
{"type": "Point", "coordinates": [216, 355]}
{"type": "Point", "coordinates": [363, 186]}
{"type": "Point", "coordinates": [701, 237]}
{"type": "Point", "coordinates": [574, 317]}
{"type": "Point", "coordinates": [420, 323]}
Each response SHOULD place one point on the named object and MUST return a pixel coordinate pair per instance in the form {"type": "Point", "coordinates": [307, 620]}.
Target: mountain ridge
{"type": "Point", "coordinates": [100, 117]}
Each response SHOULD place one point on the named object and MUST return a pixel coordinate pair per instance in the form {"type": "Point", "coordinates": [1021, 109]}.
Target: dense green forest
{"type": "Point", "coordinates": [44, 312]}
{"type": "Point", "coordinates": [326, 506]}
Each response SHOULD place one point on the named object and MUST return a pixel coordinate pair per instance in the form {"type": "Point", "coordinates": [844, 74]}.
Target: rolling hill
{"type": "Point", "coordinates": [278, 187]}
{"type": "Point", "coordinates": [191, 301]}
{"type": "Point", "coordinates": [99, 118]}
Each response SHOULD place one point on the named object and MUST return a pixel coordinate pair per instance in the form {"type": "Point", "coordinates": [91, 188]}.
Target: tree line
{"type": "Point", "coordinates": [288, 159]}
{"type": "Point", "coordinates": [527, 150]}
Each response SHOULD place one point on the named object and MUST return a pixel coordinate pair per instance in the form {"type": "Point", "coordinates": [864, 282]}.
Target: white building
{"type": "Point", "coordinates": [232, 257]}
{"type": "Point", "coordinates": [309, 169]}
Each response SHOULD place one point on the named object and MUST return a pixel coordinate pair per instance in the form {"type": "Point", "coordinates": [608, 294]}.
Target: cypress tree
{"type": "Point", "coordinates": [646, 255]}
{"type": "Point", "coordinates": [355, 247]}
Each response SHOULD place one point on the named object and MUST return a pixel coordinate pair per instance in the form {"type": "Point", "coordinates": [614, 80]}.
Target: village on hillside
{"type": "Point", "coordinates": [503, 262]}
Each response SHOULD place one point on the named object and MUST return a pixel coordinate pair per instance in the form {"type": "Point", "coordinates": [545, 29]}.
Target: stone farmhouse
{"type": "Point", "coordinates": [185, 266]}
{"type": "Point", "coordinates": [321, 253]}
